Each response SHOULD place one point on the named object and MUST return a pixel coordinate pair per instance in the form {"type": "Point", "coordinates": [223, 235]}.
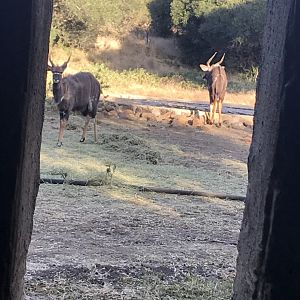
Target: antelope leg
{"type": "Point", "coordinates": [62, 126]}
{"type": "Point", "coordinates": [87, 120]}
{"type": "Point", "coordinates": [213, 113]}
{"type": "Point", "coordinates": [210, 113]}
{"type": "Point", "coordinates": [95, 129]}
{"type": "Point", "coordinates": [220, 105]}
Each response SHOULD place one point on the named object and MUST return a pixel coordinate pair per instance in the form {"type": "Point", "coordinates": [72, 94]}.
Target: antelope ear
{"type": "Point", "coordinates": [204, 68]}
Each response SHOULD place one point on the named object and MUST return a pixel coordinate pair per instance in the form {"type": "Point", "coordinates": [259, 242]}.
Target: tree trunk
{"type": "Point", "coordinates": [268, 265]}
{"type": "Point", "coordinates": [25, 27]}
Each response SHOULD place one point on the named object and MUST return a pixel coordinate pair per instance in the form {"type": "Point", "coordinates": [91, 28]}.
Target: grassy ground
{"type": "Point", "coordinates": [114, 242]}
{"type": "Point", "coordinates": [147, 155]}
{"type": "Point", "coordinates": [147, 286]}
{"type": "Point", "coordinates": [99, 246]}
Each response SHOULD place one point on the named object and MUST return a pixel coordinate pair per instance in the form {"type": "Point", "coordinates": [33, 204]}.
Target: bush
{"type": "Point", "coordinates": [202, 26]}
{"type": "Point", "coordinates": [206, 26]}
{"type": "Point", "coordinates": [78, 22]}
{"type": "Point", "coordinates": [161, 22]}
{"type": "Point", "coordinates": [69, 28]}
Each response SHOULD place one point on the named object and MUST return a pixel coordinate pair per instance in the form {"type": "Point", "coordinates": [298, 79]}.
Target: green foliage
{"type": "Point", "coordinates": [78, 22]}
{"type": "Point", "coordinates": [202, 26]}
{"type": "Point", "coordinates": [70, 28]}
{"type": "Point", "coordinates": [161, 22]}
{"type": "Point", "coordinates": [250, 74]}
{"type": "Point", "coordinates": [206, 26]}
{"type": "Point", "coordinates": [182, 11]}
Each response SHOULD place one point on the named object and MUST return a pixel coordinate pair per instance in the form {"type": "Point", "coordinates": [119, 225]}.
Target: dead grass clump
{"type": "Point", "coordinates": [134, 147]}
{"type": "Point", "coordinates": [72, 126]}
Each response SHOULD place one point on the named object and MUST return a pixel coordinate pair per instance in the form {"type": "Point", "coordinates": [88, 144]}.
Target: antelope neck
{"type": "Point", "coordinates": [57, 92]}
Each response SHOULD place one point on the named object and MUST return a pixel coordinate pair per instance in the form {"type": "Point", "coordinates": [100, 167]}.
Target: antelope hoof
{"type": "Point", "coordinates": [59, 144]}
{"type": "Point", "coordinates": [82, 140]}
{"type": "Point", "coordinates": [219, 125]}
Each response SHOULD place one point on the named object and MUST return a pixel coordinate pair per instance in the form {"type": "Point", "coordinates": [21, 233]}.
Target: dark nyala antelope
{"type": "Point", "coordinates": [79, 92]}
{"type": "Point", "coordinates": [216, 78]}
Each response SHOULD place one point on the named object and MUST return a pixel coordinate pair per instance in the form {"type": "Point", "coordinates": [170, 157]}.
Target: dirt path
{"type": "Point", "coordinates": [199, 105]}
{"type": "Point", "coordinates": [116, 243]}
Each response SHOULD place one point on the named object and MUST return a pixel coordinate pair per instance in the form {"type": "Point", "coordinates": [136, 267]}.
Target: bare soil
{"type": "Point", "coordinates": [114, 242]}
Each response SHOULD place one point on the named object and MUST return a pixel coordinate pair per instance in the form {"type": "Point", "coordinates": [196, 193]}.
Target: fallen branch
{"type": "Point", "coordinates": [189, 193]}
{"type": "Point", "coordinates": [94, 182]}
{"type": "Point", "coordinates": [72, 182]}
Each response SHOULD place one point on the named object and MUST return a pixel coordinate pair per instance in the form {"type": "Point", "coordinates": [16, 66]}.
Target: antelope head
{"type": "Point", "coordinates": [208, 67]}
{"type": "Point", "coordinates": [57, 70]}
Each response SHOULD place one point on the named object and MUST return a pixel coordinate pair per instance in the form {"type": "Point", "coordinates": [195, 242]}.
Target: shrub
{"type": "Point", "coordinates": [233, 26]}
{"type": "Point", "coordinates": [78, 22]}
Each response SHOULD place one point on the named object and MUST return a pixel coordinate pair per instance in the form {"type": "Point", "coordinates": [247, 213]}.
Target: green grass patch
{"type": "Point", "coordinates": [109, 77]}
{"type": "Point", "coordinates": [147, 287]}
{"type": "Point", "coordinates": [189, 80]}
{"type": "Point", "coordinates": [191, 287]}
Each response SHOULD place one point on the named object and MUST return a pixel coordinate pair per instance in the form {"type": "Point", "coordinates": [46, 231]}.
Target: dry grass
{"type": "Point", "coordinates": [108, 243]}
{"type": "Point", "coordinates": [157, 156]}
{"type": "Point", "coordinates": [98, 238]}
{"type": "Point", "coordinates": [159, 56]}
